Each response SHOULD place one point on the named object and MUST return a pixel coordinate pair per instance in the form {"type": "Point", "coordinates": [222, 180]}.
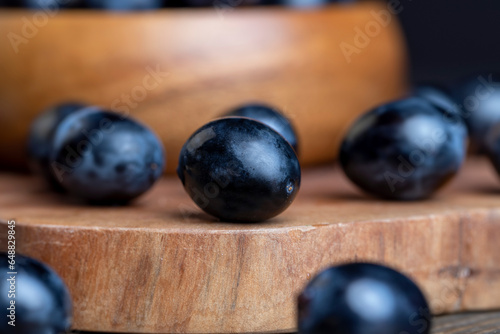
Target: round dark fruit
{"type": "Point", "coordinates": [404, 150]}
{"type": "Point", "coordinates": [106, 158]}
{"type": "Point", "coordinates": [270, 117]}
{"type": "Point", "coordinates": [42, 303]}
{"type": "Point", "coordinates": [238, 169]}
{"type": "Point", "coordinates": [40, 139]}
{"type": "Point", "coordinates": [437, 96]}
{"type": "Point", "coordinates": [362, 298]}
{"type": "Point", "coordinates": [479, 98]}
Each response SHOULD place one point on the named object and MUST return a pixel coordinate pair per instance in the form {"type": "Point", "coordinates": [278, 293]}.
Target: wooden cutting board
{"type": "Point", "coordinates": [468, 323]}
{"type": "Point", "coordinates": [161, 265]}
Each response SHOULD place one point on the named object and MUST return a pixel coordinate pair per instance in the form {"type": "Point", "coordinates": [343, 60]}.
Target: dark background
{"type": "Point", "coordinates": [449, 39]}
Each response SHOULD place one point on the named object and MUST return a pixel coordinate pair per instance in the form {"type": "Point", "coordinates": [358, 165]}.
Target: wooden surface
{"type": "Point", "coordinates": [468, 323]}
{"type": "Point", "coordinates": [163, 266]}
{"type": "Point", "coordinates": [464, 323]}
{"type": "Point", "coordinates": [215, 60]}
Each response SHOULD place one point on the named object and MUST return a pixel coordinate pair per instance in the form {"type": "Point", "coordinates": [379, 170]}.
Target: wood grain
{"type": "Point", "coordinates": [162, 266]}
{"type": "Point", "coordinates": [464, 323]}
{"type": "Point", "coordinates": [214, 60]}
{"type": "Point", "coordinates": [468, 323]}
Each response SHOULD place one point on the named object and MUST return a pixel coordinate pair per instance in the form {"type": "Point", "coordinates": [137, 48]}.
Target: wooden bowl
{"type": "Point", "coordinates": [177, 69]}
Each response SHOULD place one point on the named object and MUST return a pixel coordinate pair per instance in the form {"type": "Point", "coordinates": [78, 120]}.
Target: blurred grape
{"type": "Point", "coordinates": [479, 98]}
{"type": "Point", "coordinates": [438, 96]}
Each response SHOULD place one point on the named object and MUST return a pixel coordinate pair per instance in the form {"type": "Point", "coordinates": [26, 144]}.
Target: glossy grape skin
{"type": "Point", "coordinates": [437, 96]}
{"type": "Point", "coordinates": [270, 117]}
{"type": "Point", "coordinates": [42, 300]}
{"type": "Point", "coordinates": [405, 150]}
{"type": "Point", "coordinates": [362, 298]}
{"type": "Point", "coordinates": [125, 5]}
{"type": "Point", "coordinates": [40, 139]}
{"type": "Point", "coordinates": [239, 170]}
{"type": "Point", "coordinates": [105, 158]}
{"type": "Point", "coordinates": [479, 97]}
